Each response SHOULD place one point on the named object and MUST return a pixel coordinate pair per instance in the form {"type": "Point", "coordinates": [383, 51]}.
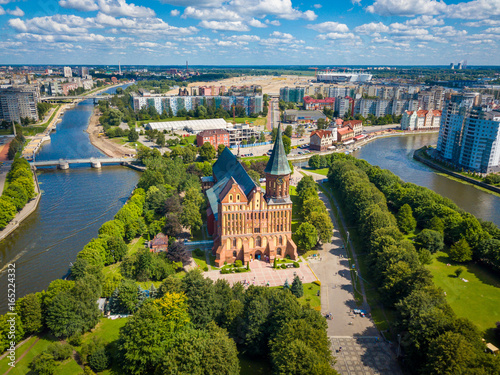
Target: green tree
{"type": "Point", "coordinates": [132, 136]}
{"type": "Point", "coordinates": [30, 311]}
{"type": "Point", "coordinates": [321, 123]}
{"type": "Point", "coordinates": [5, 331]}
{"type": "Point", "coordinates": [305, 183]}
{"type": "Point", "coordinates": [190, 216]}
{"type": "Point", "coordinates": [306, 236]}
{"type": "Point", "coordinates": [255, 176]}
{"type": "Point", "coordinates": [220, 148]}
{"type": "Point", "coordinates": [288, 131]}
{"type": "Point", "coordinates": [430, 240]}
{"type": "Point", "coordinates": [192, 353]}
{"type": "Point", "coordinates": [201, 298]}
{"type": "Point", "coordinates": [160, 140]}
{"type": "Point", "coordinates": [112, 228]}
{"type": "Point", "coordinates": [99, 360]}
{"type": "Point", "coordinates": [460, 251]}
{"type": "Point", "coordinates": [128, 296]}
{"type": "Point", "coordinates": [323, 224]}
{"type": "Point", "coordinates": [43, 364]}
{"type": "Point", "coordinates": [7, 211]}
{"type": "Point", "coordinates": [207, 152]}
{"type": "Point", "coordinates": [297, 289]}
{"type": "Point", "coordinates": [405, 219]}
{"type": "Point", "coordinates": [287, 143]}
{"type": "Point", "coordinates": [449, 354]}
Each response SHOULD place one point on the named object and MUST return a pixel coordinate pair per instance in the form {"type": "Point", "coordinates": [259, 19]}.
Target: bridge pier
{"type": "Point", "coordinates": [95, 163]}
{"type": "Point", "coordinates": [63, 164]}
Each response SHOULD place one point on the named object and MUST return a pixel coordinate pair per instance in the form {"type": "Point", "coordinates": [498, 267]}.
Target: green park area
{"type": "Point", "coordinates": [37, 129]}
{"type": "Point", "coordinates": [478, 299]}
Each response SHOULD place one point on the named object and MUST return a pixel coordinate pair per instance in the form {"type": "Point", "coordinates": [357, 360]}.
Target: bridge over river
{"type": "Point", "coordinates": [93, 162]}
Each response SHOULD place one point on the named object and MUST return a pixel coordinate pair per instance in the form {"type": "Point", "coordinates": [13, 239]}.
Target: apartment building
{"type": "Point", "coordinates": [19, 102]}
{"type": "Point", "coordinates": [213, 136]}
{"type": "Point", "coordinates": [292, 94]}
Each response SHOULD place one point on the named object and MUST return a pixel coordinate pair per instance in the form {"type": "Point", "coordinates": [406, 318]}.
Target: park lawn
{"type": "Point", "coordinates": [31, 130]}
{"type": "Point", "coordinates": [4, 366]}
{"type": "Point", "coordinates": [201, 261]}
{"type": "Point", "coordinates": [212, 260]}
{"type": "Point", "coordinates": [22, 366]}
{"type": "Point", "coordinates": [68, 367]}
{"type": "Point", "coordinates": [254, 158]}
{"type": "Point", "coordinates": [321, 171]}
{"type": "Point", "coordinates": [311, 296]}
{"type": "Point", "coordinates": [477, 300]}
{"type": "Point", "coordinates": [134, 246]}
{"type": "Point", "coordinates": [190, 139]}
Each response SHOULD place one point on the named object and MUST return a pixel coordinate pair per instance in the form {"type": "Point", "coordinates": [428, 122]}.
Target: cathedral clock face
{"type": "Point", "coordinates": [280, 181]}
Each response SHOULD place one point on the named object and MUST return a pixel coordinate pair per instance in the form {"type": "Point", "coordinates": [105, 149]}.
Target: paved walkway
{"type": "Point", "coordinates": [262, 273]}
{"type": "Point", "coordinates": [361, 353]}
{"type": "Point", "coordinates": [363, 356]}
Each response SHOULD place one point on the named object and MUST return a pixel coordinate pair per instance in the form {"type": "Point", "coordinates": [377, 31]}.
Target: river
{"type": "Point", "coordinates": [74, 205]}
{"type": "Point", "coordinates": [396, 154]}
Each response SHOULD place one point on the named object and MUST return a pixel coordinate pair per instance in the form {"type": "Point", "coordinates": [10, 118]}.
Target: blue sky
{"type": "Point", "coordinates": [250, 32]}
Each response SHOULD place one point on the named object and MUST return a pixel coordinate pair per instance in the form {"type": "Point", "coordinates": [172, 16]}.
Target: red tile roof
{"type": "Point", "coordinates": [344, 130]}
{"type": "Point", "coordinates": [322, 133]}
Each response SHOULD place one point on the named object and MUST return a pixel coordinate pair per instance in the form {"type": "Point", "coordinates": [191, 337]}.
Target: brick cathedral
{"type": "Point", "coordinates": [245, 221]}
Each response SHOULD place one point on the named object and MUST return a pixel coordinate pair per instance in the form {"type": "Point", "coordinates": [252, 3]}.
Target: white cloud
{"type": "Point", "coordinates": [477, 9]}
{"type": "Point", "coordinates": [493, 30]}
{"type": "Point", "coordinates": [244, 38]}
{"type": "Point", "coordinates": [256, 23]}
{"type": "Point", "coordinates": [210, 14]}
{"type": "Point", "coordinates": [449, 32]}
{"type": "Point", "coordinates": [95, 38]}
{"type": "Point", "coordinates": [425, 21]}
{"type": "Point", "coordinates": [5, 1]}
{"type": "Point", "coordinates": [329, 27]}
{"type": "Point", "coordinates": [372, 27]}
{"type": "Point", "coordinates": [58, 24]}
{"type": "Point", "coordinates": [279, 8]}
{"type": "Point", "coordinates": [274, 22]}
{"type": "Point", "coordinates": [2, 12]}
{"type": "Point", "coordinates": [81, 5]}
{"type": "Point", "coordinates": [146, 44]}
{"type": "Point", "coordinates": [118, 8]}
{"type": "Point", "coordinates": [483, 23]}
{"type": "Point", "coordinates": [279, 34]}
{"type": "Point", "coordinates": [201, 3]}
{"type": "Point", "coordinates": [334, 36]}
{"type": "Point", "coordinates": [224, 25]}
{"type": "Point", "coordinates": [16, 12]}
{"type": "Point", "coordinates": [317, 6]}
{"type": "Point", "coordinates": [174, 12]}
{"type": "Point", "coordinates": [143, 25]}
{"type": "Point", "coordinates": [406, 7]}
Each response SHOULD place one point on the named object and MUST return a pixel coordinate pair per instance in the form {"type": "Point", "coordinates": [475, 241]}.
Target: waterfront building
{"type": "Point", "coordinates": [355, 125]}
{"type": "Point", "coordinates": [215, 137]}
{"type": "Point", "coordinates": [345, 134]}
{"type": "Point", "coordinates": [143, 99]}
{"type": "Point", "coordinates": [292, 94]}
{"type": "Point", "coordinates": [321, 140]}
{"type": "Point", "coordinates": [19, 102]}
{"type": "Point", "coordinates": [469, 135]}
{"type": "Point", "coordinates": [421, 120]}
{"type": "Point", "coordinates": [246, 221]}
{"type": "Point", "coordinates": [67, 72]}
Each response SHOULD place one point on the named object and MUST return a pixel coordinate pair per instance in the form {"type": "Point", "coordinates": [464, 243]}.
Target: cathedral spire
{"type": "Point", "coordinates": [278, 163]}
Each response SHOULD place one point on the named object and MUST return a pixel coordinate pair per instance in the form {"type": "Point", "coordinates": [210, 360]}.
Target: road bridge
{"type": "Point", "coordinates": [75, 97]}
{"type": "Point", "coordinates": [93, 162]}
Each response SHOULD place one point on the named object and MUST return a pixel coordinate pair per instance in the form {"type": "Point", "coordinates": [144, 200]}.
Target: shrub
{"type": "Point", "coordinates": [43, 364]}
{"type": "Point", "coordinates": [198, 252]}
{"type": "Point", "coordinates": [296, 265]}
{"type": "Point", "coordinates": [283, 266]}
{"type": "Point", "coordinates": [238, 263]}
{"type": "Point", "coordinates": [240, 270]}
{"type": "Point", "coordinates": [99, 360]}
{"type": "Point", "coordinates": [60, 351]}
{"type": "Point", "coordinates": [459, 271]}
{"type": "Point", "coordinates": [205, 268]}
{"type": "Point", "coordinates": [75, 340]}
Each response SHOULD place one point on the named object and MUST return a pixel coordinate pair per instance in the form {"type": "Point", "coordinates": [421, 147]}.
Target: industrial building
{"type": "Point", "coordinates": [192, 126]}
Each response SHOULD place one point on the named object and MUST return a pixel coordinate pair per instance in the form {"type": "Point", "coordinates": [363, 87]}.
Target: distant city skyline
{"type": "Point", "coordinates": [250, 32]}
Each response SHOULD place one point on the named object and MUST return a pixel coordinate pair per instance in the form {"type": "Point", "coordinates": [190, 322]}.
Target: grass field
{"type": "Point", "coordinates": [478, 299]}
{"type": "Point", "coordinates": [201, 261]}
{"type": "Point", "coordinates": [256, 158]}
{"type": "Point", "coordinates": [322, 171]}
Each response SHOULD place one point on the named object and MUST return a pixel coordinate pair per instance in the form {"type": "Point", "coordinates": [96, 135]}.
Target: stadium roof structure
{"type": "Point", "coordinates": [194, 126]}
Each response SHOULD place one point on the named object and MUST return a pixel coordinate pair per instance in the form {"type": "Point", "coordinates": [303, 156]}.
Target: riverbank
{"type": "Point", "coordinates": [422, 157]}
{"type": "Point", "coordinates": [27, 210]}
{"type": "Point", "coordinates": [106, 145]}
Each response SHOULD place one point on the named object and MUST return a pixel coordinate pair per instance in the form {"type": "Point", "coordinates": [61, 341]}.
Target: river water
{"type": "Point", "coordinates": [396, 154]}
{"type": "Point", "coordinates": [73, 206]}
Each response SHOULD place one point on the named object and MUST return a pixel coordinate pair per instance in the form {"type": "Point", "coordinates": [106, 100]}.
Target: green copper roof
{"type": "Point", "coordinates": [278, 163]}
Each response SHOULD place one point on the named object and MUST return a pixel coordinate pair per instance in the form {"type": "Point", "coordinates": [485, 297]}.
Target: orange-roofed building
{"type": "Point", "coordinates": [344, 134]}
{"type": "Point", "coordinates": [320, 140]}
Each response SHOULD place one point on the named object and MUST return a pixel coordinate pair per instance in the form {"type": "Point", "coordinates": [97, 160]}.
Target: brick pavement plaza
{"type": "Point", "coordinates": [363, 355]}
{"type": "Point", "coordinates": [261, 273]}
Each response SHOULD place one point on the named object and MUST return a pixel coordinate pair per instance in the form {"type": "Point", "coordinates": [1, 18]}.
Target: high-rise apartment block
{"type": "Point", "coordinates": [19, 102]}
{"type": "Point", "coordinates": [292, 94]}
{"type": "Point", "coordinates": [469, 136]}
{"type": "Point", "coordinates": [84, 71]}
{"type": "Point", "coordinates": [67, 72]}
{"type": "Point", "coordinates": [251, 104]}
